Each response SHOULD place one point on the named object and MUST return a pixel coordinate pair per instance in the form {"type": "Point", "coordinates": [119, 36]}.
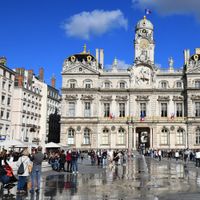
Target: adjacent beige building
{"type": "Point", "coordinates": [143, 106]}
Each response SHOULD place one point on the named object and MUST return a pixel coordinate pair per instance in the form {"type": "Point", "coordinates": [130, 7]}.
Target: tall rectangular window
{"type": "Point", "coordinates": [106, 109]}
{"type": "Point", "coordinates": [121, 109]}
{"type": "Point", "coordinates": [88, 85]}
{"type": "Point", "coordinates": [8, 101]}
{"type": "Point", "coordinates": [2, 113]}
{"type": "Point", "coordinates": [197, 109]}
{"type": "Point", "coordinates": [87, 111]}
{"type": "Point", "coordinates": [163, 109]}
{"type": "Point", "coordinates": [179, 110]}
{"type": "Point", "coordinates": [3, 85]}
{"type": "Point", "coordinates": [143, 110]}
{"type": "Point", "coordinates": [197, 84]}
{"type": "Point", "coordinates": [71, 109]}
{"type": "Point", "coordinates": [3, 99]}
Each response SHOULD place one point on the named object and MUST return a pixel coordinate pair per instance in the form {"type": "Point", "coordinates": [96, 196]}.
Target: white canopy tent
{"type": "Point", "coordinates": [12, 143]}
{"type": "Point", "coordinates": [52, 145]}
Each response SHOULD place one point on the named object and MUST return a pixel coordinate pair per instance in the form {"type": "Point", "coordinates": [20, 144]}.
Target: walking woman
{"type": "Point", "coordinates": [22, 182]}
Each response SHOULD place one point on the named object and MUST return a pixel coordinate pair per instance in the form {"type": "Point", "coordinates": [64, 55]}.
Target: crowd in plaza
{"type": "Point", "coordinates": [29, 164]}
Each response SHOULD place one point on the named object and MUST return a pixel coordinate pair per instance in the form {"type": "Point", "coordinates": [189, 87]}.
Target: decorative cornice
{"type": "Point", "coordinates": [71, 97]}
{"type": "Point", "coordinates": [87, 97]}
{"type": "Point", "coordinates": [178, 98]}
{"type": "Point", "coordinates": [195, 97]}
{"type": "Point", "coordinates": [163, 98]}
{"type": "Point", "coordinates": [106, 98]}
{"type": "Point", "coordinates": [142, 98]}
{"type": "Point", "coordinates": [121, 98]}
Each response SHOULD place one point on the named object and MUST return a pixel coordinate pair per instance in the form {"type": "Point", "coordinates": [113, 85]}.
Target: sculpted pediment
{"type": "Point", "coordinates": [81, 68]}
{"type": "Point", "coordinates": [142, 98]}
{"type": "Point", "coordinates": [87, 97]}
{"type": "Point", "coordinates": [121, 98]}
{"type": "Point", "coordinates": [71, 97]}
{"type": "Point", "coordinates": [195, 97]}
{"type": "Point", "coordinates": [106, 98]}
{"type": "Point", "coordinates": [177, 98]}
{"type": "Point", "coordinates": [163, 98]}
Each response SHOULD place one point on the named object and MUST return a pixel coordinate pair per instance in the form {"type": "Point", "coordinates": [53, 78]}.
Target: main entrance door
{"type": "Point", "coordinates": [142, 138]}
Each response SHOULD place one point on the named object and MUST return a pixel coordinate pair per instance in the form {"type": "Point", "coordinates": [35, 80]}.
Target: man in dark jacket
{"type": "Point", "coordinates": [37, 159]}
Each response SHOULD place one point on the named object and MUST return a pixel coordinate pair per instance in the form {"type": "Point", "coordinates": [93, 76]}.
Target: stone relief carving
{"type": "Point", "coordinates": [142, 98]}
{"type": "Point", "coordinates": [195, 97]}
{"type": "Point", "coordinates": [71, 97]}
{"type": "Point", "coordinates": [106, 98]}
{"type": "Point", "coordinates": [177, 98]}
{"type": "Point", "coordinates": [121, 98]}
{"type": "Point", "coordinates": [87, 97]}
{"type": "Point", "coordinates": [163, 98]}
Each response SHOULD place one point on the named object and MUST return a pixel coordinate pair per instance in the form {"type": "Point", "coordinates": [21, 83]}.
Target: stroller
{"type": "Point", "coordinates": [7, 178]}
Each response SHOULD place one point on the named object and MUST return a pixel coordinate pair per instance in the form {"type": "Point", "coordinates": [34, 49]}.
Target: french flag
{"type": "Point", "coordinates": [147, 11]}
{"type": "Point", "coordinates": [142, 115]}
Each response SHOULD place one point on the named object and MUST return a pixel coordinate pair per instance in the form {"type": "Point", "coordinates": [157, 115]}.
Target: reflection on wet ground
{"type": "Point", "coordinates": [140, 178]}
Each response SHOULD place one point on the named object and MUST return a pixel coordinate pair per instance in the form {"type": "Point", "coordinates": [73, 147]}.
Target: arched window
{"type": "Point", "coordinates": [197, 84]}
{"type": "Point", "coordinates": [72, 83]}
{"type": "Point", "coordinates": [87, 84]}
{"type": "Point", "coordinates": [71, 134]}
{"type": "Point", "coordinates": [180, 136]}
{"type": "Point", "coordinates": [105, 136]}
{"type": "Point", "coordinates": [198, 136]}
{"type": "Point", "coordinates": [164, 136]}
{"type": "Point", "coordinates": [122, 84]}
{"type": "Point", "coordinates": [86, 136]}
{"type": "Point", "coordinates": [121, 136]}
{"type": "Point", "coordinates": [107, 84]}
{"type": "Point", "coordinates": [179, 84]}
{"type": "Point", "coordinates": [163, 84]}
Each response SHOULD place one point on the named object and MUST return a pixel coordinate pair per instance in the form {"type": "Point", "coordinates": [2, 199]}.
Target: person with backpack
{"type": "Point", "coordinates": [74, 159]}
{"type": "Point", "coordinates": [23, 164]}
{"type": "Point", "coordinates": [37, 160]}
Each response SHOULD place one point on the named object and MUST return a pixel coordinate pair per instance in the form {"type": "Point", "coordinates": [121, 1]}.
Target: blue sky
{"type": "Point", "coordinates": [37, 33]}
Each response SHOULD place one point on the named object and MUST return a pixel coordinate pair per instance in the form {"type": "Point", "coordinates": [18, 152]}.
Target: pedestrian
{"type": "Point", "coordinates": [74, 159]}
{"type": "Point", "coordinates": [37, 160]}
{"type": "Point", "coordinates": [177, 155]}
{"type": "Point", "coordinates": [62, 161]}
{"type": "Point", "coordinates": [159, 154]}
{"type": "Point", "coordinates": [23, 163]}
{"type": "Point", "coordinates": [197, 158]}
{"type": "Point", "coordinates": [69, 159]}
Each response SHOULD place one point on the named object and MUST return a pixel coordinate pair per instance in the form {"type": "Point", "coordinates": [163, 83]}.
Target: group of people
{"type": "Point", "coordinates": [28, 170]}
{"type": "Point", "coordinates": [67, 162]}
{"type": "Point", "coordinates": [182, 154]}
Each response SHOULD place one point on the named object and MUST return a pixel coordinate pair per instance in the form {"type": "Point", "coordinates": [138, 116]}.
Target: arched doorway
{"type": "Point", "coordinates": [143, 138]}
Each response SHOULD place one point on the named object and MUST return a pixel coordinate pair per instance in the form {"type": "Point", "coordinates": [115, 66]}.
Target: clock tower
{"type": "Point", "coordinates": [144, 42]}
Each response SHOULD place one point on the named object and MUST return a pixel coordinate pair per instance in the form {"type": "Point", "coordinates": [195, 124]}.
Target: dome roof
{"type": "Point", "coordinates": [144, 23]}
{"type": "Point", "coordinates": [83, 56]}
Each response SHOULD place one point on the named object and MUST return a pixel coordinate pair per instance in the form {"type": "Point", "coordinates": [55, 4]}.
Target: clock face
{"type": "Point", "coordinates": [144, 43]}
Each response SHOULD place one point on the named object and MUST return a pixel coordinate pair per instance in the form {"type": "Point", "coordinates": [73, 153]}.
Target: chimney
{"type": "Point", "coordinates": [101, 57]}
{"type": "Point", "coordinates": [97, 55]}
{"type": "Point", "coordinates": [20, 80]}
{"type": "Point", "coordinates": [186, 56]}
{"type": "Point", "coordinates": [30, 76]}
{"type": "Point", "coordinates": [53, 81]}
{"type": "Point", "coordinates": [41, 74]}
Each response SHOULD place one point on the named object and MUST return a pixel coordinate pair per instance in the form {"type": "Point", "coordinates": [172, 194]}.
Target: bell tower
{"type": "Point", "coordinates": [144, 43]}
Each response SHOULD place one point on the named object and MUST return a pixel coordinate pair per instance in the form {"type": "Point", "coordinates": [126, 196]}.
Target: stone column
{"type": "Point", "coordinates": [151, 138]}
{"type": "Point", "coordinates": [134, 138]}
{"type": "Point", "coordinates": [130, 134]}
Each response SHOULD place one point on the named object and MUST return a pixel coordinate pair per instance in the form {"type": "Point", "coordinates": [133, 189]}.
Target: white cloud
{"type": "Point", "coordinates": [121, 64]}
{"type": "Point", "coordinates": [87, 24]}
{"type": "Point", "coordinates": [170, 7]}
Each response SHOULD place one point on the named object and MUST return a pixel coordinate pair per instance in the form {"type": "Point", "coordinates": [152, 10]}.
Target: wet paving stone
{"type": "Point", "coordinates": [140, 179]}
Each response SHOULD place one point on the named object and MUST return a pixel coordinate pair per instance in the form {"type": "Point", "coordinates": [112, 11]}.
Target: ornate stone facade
{"type": "Point", "coordinates": [141, 107]}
